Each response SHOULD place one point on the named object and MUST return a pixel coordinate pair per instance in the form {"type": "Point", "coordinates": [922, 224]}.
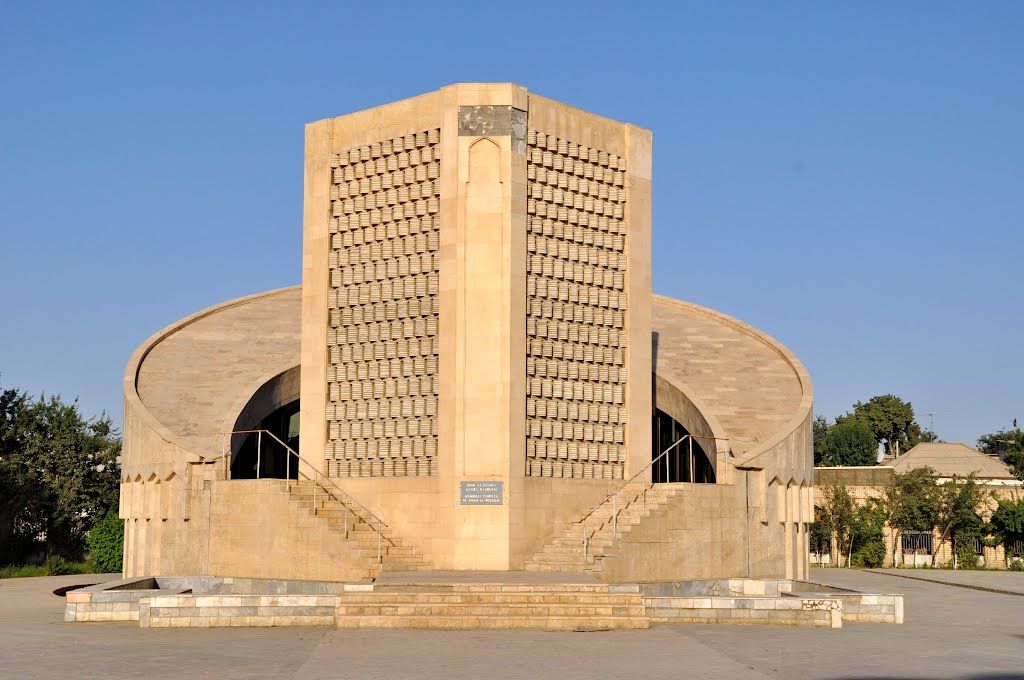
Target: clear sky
{"type": "Point", "coordinates": [845, 176]}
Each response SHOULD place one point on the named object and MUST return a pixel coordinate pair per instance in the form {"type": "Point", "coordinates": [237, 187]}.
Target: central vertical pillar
{"type": "Point", "coordinates": [487, 298]}
{"type": "Point", "coordinates": [484, 322]}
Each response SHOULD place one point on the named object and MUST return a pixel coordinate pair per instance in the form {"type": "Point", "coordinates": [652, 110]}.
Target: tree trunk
{"type": "Point", "coordinates": [895, 545]}
{"type": "Point", "coordinates": [935, 551]}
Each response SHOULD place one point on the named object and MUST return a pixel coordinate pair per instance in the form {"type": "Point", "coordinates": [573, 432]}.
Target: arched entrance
{"type": "Point", "coordinates": [687, 462]}
{"type": "Point", "coordinates": [263, 456]}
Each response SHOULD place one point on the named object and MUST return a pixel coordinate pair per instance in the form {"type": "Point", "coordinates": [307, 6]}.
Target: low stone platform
{"type": "Point", "coordinates": [475, 601]}
{"type": "Point", "coordinates": [742, 600]}
{"type": "Point", "coordinates": [507, 577]}
{"type": "Point", "coordinates": [116, 600]}
{"type": "Point", "coordinates": [858, 606]}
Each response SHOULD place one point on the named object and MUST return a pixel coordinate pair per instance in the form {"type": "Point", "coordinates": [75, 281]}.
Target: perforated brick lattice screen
{"type": "Point", "coordinates": [382, 337]}
{"type": "Point", "coordinates": [576, 318]}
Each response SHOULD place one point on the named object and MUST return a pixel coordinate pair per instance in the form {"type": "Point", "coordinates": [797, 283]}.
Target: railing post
{"type": "Point", "coordinates": [584, 527]}
{"type": "Point", "coordinates": [226, 454]}
{"type": "Point", "coordinates": [668, 467]}
{"type": "Point", "coordinates": [259, 452]}
{"type": "Point", "coordinates": [615, 517]}
{"type": "Point", "coordinates": [346, 519]}
{"type": "Point", "coordinates": [379, 560]}
{"type": "Point", "coordinates": [691, 460]}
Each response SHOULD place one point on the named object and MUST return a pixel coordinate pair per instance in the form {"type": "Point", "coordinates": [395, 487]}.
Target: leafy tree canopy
{"type": "Point", "coordinates": [957, 503]}
{"type": "Point", "coordinates": [59, 471]}
{"type": "Point", "coordinates": [849, 443]}
{"type": "Point", "coordinates": [839, 516]}
{"type": "Point", "coordinates": [1008, 445]}
{"type": "Point", "coordinates": [910, 503]}
{"type": "Point", "coordinates": [1008, 520]}
{"type": "Point", "coordinates": [819, 428]}
{"type": "Point", "coordinates": [891, 421]}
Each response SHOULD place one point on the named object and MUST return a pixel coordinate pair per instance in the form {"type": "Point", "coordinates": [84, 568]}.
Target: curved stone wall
{"type": "Point", "coordinates": [722, 376]}
{"type": "Point", "coordinates": [184, 387]}
{"type": "Point", "coordinates": [228, 366]}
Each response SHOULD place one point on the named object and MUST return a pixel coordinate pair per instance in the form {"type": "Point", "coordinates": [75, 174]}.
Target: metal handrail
{"type": "Point", "coordinates": [345, 498]}
{"type": "Point", "coordinates": [645, 468]}
{"type": "Point", "coordinates": [614, 494]}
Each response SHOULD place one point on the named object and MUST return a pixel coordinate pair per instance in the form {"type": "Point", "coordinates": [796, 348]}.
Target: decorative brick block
{"type": "Point", "coordinates": [576, 318]}
{"type": "Point", "coordinates": [383, 309]}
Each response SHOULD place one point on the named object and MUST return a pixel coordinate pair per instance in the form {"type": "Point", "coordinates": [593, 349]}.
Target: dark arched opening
{"type": "Point", "coordinates": [263, 456]}
{"type": "Point", "coordinates": [687, 462]}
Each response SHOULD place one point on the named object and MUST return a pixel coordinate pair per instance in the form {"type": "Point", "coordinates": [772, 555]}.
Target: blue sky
{"type": "Point", "coordinates": [847, 178]}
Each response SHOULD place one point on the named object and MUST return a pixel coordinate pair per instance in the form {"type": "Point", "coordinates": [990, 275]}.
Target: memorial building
{"type": "Point", "coordinates": [473, 375]}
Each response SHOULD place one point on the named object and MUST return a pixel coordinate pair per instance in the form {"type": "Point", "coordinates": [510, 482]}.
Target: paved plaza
{"type": "Point", "coordinates": [950, 632]}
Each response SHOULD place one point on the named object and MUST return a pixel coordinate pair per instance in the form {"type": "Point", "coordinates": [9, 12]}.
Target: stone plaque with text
{"type": "Point", "coordinates": [482, 493]}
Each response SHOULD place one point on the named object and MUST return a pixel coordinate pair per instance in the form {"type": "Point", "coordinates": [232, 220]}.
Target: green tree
{"type": "Point", "coordinates": [957, 505]}
{"type": "Point", "coordinates": [1008, 445]}
{"type": "Point", "coordinates": [1007, 524]}
{"type": "Point", "coordinates": [820, 538]}
{"type": "Point", "coordinates": [891, 421]}
{"type": "Point", "coordinates": [839, 517]}
{"type": "Point", "coordinates": [14, 430]}
{"type": "Point", "coordinates": [910, 504]}
{"type": "Point", "coordinates": [868, 540]}
{"type": "Point", "coordinates": [849, 443]}
{"type": "Point", "coordinates": [819, 428]}
{"type": "Point", "coordinates": [106, 543]}
{"type": "Point", "coordinates": [59, 471]}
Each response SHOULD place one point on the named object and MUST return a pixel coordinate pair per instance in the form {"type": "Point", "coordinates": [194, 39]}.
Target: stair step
{"type": "Point", "coordinates": [491, 610]}
{"type": "Point", "coordinates": [495, 622]}
{"type": "Point", "coordinates": [568, 597]}
{"type": "Point", "coordinates": [557, 559]}
{"type": "Point", "coordinates": [378, 551]}
{"type": "Point", "coordinates": [556, 566]}
{"type": "Point", "coordinates": [604, 529]}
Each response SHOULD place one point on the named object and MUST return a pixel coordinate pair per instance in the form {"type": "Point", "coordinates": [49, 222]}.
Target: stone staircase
{"type": "Point", "coordinates": [495, 606]}
{"type": "Point", "coordinates": [474, 601]}
{"type": "Point", "coordinates": [353, 524]}
{"type": "Point", "coordinates": [632, 505]}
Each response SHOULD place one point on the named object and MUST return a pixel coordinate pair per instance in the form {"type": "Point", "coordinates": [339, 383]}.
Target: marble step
{"type": "Point", "coordinates": [496, 622]}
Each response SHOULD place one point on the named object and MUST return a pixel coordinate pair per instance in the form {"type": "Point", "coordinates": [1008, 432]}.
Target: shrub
{"type": "Point", "coordinates": [22, 570]}
{"type": "Point", "coordinates": [106, 543]}
{"type": "Point", "coordinates": [56, 565]}
{"type": "Point", "coordinates": [870, 555]}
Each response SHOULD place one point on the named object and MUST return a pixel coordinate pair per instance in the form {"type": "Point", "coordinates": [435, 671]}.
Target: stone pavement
{"type": "Point", "coordinates": [951, 632]}
{"type": "Point", "coordinates": [1000, 581]}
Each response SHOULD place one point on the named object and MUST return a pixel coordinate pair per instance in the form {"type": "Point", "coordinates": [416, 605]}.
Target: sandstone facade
{"type": "Point", "coordinates": [475, 310]}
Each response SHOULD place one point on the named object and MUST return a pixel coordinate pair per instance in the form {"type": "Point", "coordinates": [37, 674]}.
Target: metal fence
{"type": "Point", "coordinates": [917, 543]}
